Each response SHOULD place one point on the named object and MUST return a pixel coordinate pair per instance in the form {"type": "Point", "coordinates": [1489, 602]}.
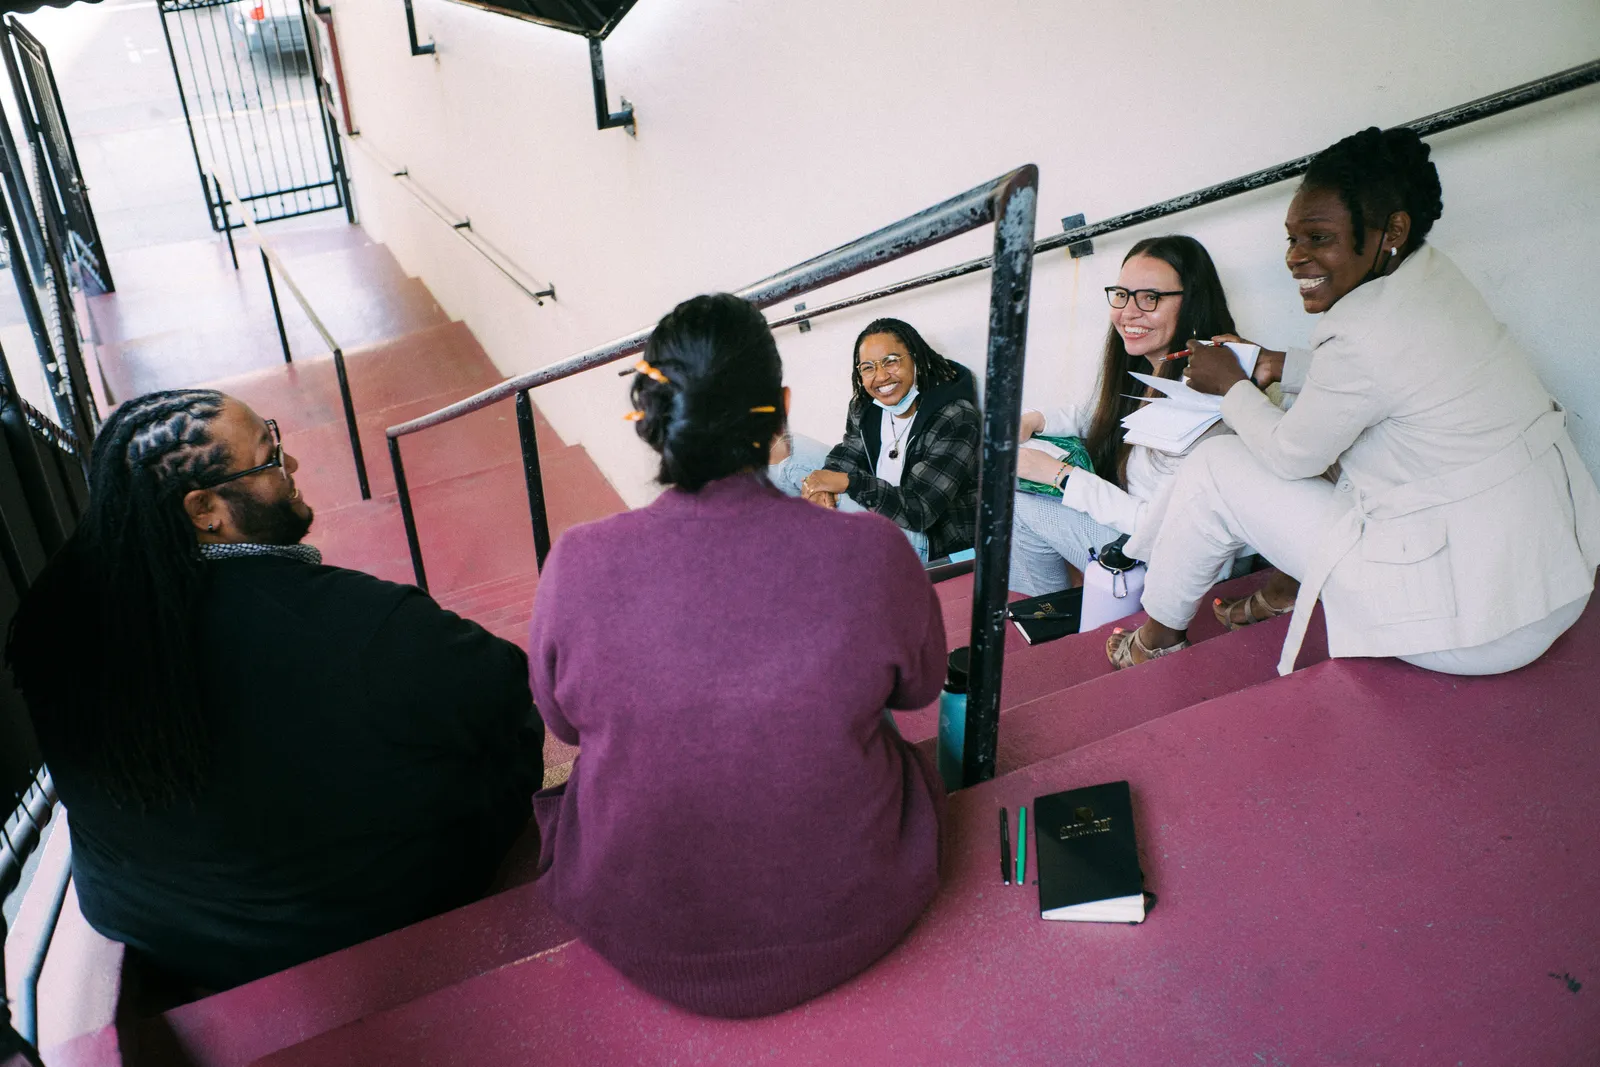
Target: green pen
{"type": "Point", "coordinates": [1022, 844]}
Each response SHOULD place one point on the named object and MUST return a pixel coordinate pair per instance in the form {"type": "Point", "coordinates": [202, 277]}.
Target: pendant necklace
{"type": "Point", "coordinates": [894, 448]}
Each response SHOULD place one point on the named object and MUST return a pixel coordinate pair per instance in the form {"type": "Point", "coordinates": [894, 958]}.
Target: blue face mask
{"type": "Point", "coordinates": [904, 405]}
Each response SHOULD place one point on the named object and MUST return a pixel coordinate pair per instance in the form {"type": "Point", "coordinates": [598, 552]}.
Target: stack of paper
{"type": "Point", "coordinates": [1175, 421]}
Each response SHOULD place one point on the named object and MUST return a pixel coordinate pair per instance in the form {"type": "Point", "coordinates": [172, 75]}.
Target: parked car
{"type": "Point", "coordinates": [273, 28]}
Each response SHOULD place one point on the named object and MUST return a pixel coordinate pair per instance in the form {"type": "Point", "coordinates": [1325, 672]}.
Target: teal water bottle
{"type": "Point", "coordinates": [953, 719]}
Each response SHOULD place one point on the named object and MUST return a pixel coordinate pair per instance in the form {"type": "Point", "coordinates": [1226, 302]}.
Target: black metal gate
{"type": "Point", "coordinates": [38, 234]}
{"type": "Point", "coordinates": [256, 117]}
{"type": "Point", "coordinates": [63, 196]}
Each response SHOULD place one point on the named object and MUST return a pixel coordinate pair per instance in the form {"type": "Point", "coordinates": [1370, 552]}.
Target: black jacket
{"type": "Point", "coordinates": [374, 758]}
{"type": "Point", "coordinates": [938, 494]}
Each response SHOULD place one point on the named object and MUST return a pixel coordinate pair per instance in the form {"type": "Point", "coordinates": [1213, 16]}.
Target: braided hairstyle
{"type": "Point", "coordinates": [722, 401]}
{"type": "Point", "coordinates": [932, 368]}
{"type": "Point", "coordinates": [1376, 173]}
{"type": "Point", "coordinates": [104, 645]}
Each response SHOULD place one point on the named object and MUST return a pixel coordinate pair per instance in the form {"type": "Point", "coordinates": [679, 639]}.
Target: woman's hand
{"type": "Point", "coordinates": [1269, 364]}
{"type": "Point", "coordinates": [825, 481]}
{"type": "Point", "coordinates": [1036, 466]}
{"type": "Point", "coordinates": [823, 500]}
{"type": "Point", "coordinates": [1032, 425]}
{"type": "Point", "coordinates": [1213, 369]}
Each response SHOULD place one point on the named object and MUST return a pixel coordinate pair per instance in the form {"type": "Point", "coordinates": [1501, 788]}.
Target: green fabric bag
{"type": "Point", "coordinates": [1076, 454]}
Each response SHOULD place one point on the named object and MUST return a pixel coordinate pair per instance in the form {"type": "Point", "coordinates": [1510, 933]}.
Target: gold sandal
{"type": "Point", "coordinates": [1256, 609]}
{"type": "Point", "coordinates": [1120, 648]}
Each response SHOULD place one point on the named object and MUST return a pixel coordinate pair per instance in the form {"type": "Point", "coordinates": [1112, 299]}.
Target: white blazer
{"type": "Point", "coordinates": [1466, 512]}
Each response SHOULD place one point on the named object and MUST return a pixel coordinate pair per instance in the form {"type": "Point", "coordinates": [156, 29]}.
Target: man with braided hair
{"type": "Point", "coordinates": [1423, 485]}
{"type": "Point", "coordinates": [263, 758]}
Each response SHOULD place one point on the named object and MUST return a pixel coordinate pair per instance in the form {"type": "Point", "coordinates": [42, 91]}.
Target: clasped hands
{"type": "Point", "coordinates": [1214, 369]}
{"type": "Point", "coordinates": [822, 487]}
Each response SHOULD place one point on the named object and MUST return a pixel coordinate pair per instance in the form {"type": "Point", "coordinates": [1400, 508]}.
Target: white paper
{"type": "Point", "coordinates": [1180, 394]}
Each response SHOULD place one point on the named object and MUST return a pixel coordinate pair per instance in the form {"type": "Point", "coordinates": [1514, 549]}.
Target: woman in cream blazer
{"type": "Point", "coordinates": [1423, 484]}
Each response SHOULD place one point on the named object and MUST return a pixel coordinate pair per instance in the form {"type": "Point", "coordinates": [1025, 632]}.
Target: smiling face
{"type": "Point", "coordinates": [892, 373]}
{"type": "Point", "coordinates": [265, 507]}
{"type": "Point", "coordinates": [1322, 252]}
{"type": "Point", "coordinates": [1148, 333]}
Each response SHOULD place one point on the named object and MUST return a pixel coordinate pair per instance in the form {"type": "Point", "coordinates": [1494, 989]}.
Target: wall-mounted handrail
{"type": "Point", "coordinates": [1009, 202]}
{"type": "Point", "coordinates": [1448, 119]}
{"type": "Point", "coordinates": [270, 261]}
{"type": "Point", "coordinates": [417, 47]}
{"type": "Point", "coordinates": [460, 225]}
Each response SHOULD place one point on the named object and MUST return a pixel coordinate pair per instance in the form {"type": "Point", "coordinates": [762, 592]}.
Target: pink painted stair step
{"type": "Point", "coordinates": [1363, 862]}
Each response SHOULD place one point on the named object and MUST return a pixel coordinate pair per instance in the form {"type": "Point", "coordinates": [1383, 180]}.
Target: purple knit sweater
{"type": "Point", "coordinates": [743, 830]}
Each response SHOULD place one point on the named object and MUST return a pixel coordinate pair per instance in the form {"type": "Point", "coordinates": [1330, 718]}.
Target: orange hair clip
{"type": "Point", "coordinates": [633, 416]}
{"type": "Point", "coordinates": [653, 373]}
{"type": "Point", "coordinates": [764, 409]}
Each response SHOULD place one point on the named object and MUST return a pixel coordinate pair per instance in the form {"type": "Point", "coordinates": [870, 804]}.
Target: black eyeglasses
{"type": "Point", "coordinates": [1146, 299]}
{"type": "Point", "coordinates": [275, 461]}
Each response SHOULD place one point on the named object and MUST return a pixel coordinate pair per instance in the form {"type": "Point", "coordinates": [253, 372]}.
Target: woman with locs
{"type": "Point", "coordinates": [1166, 293]}
{"type": "Point", "coordinates": [910, 448]}
{"type": "Point", "coordinates": [1423, 485]}
{"type": "Point", "coordinates": [745, 828]}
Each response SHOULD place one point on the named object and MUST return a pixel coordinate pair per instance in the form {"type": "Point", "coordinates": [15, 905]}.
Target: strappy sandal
{"type": "Point", "coordinates": [1256, 609]}
{"type": "Point", "coordinates": [1120, 648]}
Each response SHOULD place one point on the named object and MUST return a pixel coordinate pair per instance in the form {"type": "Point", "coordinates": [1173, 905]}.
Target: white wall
{"type": "Point", "coordinates": [771, 131]}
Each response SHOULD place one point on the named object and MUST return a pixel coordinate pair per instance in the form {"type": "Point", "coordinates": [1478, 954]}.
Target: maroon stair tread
{"type": "Point", "coordinates": [1033, 671]}
{"type": "Point", "coordinates": [1344, 860]}
{"type": "Point", "coordinates": [233, 1028]}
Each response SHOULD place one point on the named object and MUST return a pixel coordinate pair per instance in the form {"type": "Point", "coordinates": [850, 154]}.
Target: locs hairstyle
{"type": "Point", "coordinates": [722, 401]}
{"type": "Point", "coordinates": [104, 644]}
{"type": "Point", "coordinates": [932, 368]}
{"type": "Point", "coordinates": [1204, 313]}
{"type": "Point", "coordinates": [1376, 173]}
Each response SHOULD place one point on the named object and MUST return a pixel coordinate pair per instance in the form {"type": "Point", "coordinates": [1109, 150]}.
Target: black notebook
{"type": "Point", "coordinates": [1087, 859]}
{"type": "Point", "coordinates": [1045, 618]}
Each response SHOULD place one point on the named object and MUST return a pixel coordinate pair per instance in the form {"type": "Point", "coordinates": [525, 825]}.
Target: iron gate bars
{"type": "Point", "coordinates": [1009, 202]}
{"type": "Point", "coordinates": [45, 294]}
{"type": "Point", "coordinates": [256, 116]}
{"type": "Point", "coordinates": [63, 195]}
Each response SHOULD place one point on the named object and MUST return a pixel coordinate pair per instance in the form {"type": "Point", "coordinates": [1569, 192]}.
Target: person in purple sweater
{"type": "Point", "coordinates": [745, 829]}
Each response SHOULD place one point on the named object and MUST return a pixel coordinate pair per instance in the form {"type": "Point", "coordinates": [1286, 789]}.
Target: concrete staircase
{"type": "Point", "coordinates": [1361, 862]}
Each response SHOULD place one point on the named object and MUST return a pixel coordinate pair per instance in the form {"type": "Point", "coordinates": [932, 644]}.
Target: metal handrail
{"type": "Point", "coordinates": [270, 260]}
{"type": "Point", "coordinates": [20, 834]}
{"type": "Point", "coordinates": [462, 226]}
{"type": "Point", "coordinates": [1448, 119]}
{"type": "Point", "coordinates": [1009, 202]}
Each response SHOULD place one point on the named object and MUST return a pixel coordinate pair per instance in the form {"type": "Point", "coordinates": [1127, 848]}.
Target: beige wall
{"type": "Point", "coordinates": [771, 131]}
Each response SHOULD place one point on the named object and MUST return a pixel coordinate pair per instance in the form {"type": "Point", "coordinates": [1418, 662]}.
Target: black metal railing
{"type": "Point", "coordinates": [269, 261]}
{"type": "Point", "coordinates": [1002, 393]}
{"type": "Point", "coordinates": [1448, 119]}
{"type": "Point", "coordinates": [1009, 203]}
{"type": "Point", "coordinates": [20, 834]}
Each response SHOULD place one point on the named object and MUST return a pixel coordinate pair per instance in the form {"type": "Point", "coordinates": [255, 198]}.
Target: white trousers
{"type": "Point", "coordinates": [1226, 499]}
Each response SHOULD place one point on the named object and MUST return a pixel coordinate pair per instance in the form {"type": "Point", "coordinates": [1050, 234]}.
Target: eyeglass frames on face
{"type": "Point", "coordinates": [868, 367]}
{"type": "Point", "coordinates": [1145, 299]}
{"type": "Point", "coordinates": [275, 461]}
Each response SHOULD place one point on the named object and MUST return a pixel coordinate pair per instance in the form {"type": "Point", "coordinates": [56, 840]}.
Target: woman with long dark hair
{"type": "Point", "coordinates": [910, 448]}
{"type": "Point", "coordinates": [744, 828]}
{"type": "Point", "coordinates": [1460, 530]}
{"type": "Point", "coordinates": [1167, 293]}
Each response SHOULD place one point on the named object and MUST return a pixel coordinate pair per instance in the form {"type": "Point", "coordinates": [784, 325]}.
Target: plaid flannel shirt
{"type": "Point", "coordinates": [938, 494]}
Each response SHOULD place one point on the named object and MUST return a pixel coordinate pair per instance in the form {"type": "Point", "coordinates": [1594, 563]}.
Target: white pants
{"type": "Point", "coordinates": [1225, 499]}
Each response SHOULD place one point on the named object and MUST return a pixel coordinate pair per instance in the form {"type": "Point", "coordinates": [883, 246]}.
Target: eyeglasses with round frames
{"type": "Point", "coordinates": [868, 367]}
{"type": "Point", "coordinates": [275, 461]}
{"type": "Point", "coordinates": [1145, 299]}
